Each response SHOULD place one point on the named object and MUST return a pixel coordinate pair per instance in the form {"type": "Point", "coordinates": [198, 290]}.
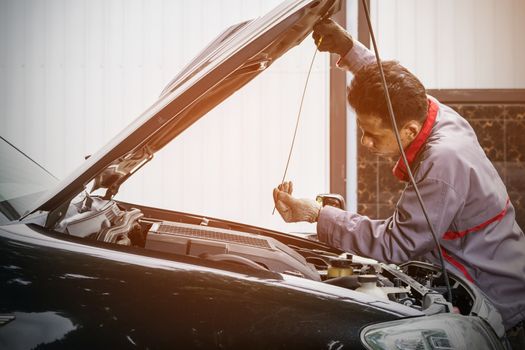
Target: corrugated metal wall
{"type": "Point", "coordinates": [75, 72]}
{"type": "Point", "coordinates": [455, 44]}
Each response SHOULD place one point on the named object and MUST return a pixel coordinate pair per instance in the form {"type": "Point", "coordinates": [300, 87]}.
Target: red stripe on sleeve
{"type": "Point", "coordinates": [457, 264]}
{"type": "Point", "coordinates": [454, 235]}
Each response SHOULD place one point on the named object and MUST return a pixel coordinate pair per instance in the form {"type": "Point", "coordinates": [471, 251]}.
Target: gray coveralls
{"type": "Point", "coordinates": [468, 205]}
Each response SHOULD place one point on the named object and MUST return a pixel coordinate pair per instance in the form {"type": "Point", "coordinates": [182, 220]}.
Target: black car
{"type": "Point", "coordinates": [79, 269]}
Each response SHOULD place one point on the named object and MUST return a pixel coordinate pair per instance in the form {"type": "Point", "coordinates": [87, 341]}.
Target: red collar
{"type": "Point", "coordinates": [400, 171]}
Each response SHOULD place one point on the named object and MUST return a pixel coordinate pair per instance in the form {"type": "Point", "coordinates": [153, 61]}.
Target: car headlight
{"type": "Point", "coordinates": [438, 332]}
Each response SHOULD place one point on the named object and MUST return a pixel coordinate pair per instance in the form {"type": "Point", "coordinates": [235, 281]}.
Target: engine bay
{"type": "Point", "coordinates": [415, 284]}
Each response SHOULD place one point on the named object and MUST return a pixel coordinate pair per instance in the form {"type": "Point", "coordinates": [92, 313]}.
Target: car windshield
{"type": "Point", "coordinates": [22, 181]}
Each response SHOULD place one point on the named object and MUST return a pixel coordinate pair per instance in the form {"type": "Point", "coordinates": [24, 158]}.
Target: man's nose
{"type": "Point", "coordinates": [367, 141]}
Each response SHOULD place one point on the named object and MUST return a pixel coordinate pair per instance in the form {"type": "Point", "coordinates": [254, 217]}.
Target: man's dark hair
{"type": "Point", "coordinates": [408, 95]}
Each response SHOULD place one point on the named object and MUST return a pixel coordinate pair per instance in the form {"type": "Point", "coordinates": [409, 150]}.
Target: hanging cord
{"type": "Point", "coordinates": [405, 161]}
{"type": "Point", "coordinates": [299, 114]}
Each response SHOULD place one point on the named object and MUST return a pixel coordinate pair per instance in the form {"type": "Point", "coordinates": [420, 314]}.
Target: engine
{"type": "Point", "coordinates": [414, 284]}
{"type": "Point", "coordinates": [227, 245]}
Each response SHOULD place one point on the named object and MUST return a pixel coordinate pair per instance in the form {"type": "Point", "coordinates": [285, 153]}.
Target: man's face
{"type": "Point", "coordinates": [379, 138]}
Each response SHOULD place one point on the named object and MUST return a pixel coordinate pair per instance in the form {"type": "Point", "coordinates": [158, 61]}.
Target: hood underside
{"type": "Point", "coordinates": [229, 62]}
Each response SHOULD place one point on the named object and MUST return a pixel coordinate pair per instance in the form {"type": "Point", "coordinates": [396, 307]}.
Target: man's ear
{"type": "Point", "coordinates": [411, 129]}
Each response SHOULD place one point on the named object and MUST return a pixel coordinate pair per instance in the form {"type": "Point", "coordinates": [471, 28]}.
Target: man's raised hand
{"type": "Point", "coordinates": [334, 38]}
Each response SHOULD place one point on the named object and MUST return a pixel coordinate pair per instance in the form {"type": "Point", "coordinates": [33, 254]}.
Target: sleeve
{"type": "Point", "coordinates": [358, 57]}
{"type": "Point", "coordinates": [403, 236]}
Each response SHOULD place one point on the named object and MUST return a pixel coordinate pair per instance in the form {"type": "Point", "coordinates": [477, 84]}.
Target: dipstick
{"type": "Point", "coordinates": [299, 114]}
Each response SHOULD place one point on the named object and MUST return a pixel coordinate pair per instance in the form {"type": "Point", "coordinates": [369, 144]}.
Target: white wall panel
{"type": "Point", "coordinates": [3, 66]}
{"type": "Point", "coordinates": [455, 43]}
{"type": "Point", "coordinates": [75, 72]}
{"type": "Point", "coordinates": [518, 52]}
{"type": "Point", "coordinates": [14, 72]}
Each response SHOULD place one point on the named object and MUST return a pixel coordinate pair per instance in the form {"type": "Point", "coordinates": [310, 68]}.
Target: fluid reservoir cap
{"type": "Point", "coordinates": [341, 263]}
{"type": "Point", "coordinates": [367, 278]}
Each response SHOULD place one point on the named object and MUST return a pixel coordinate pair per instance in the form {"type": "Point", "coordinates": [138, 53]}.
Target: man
{"type": "Point", "coordinates": [467, 201]}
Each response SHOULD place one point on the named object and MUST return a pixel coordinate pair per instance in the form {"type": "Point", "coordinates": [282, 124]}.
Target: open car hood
{"type": "Point", "coordinates": [230, 61]}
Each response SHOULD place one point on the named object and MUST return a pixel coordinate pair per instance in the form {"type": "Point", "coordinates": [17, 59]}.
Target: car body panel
{"type": "Point", "coordinates": [132, 300]}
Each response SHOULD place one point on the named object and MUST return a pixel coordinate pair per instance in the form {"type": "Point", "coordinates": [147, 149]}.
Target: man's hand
{"type": "Point", "coordinates": [334, 38]}
{"type": "Point", "coordinates": [293, 209]}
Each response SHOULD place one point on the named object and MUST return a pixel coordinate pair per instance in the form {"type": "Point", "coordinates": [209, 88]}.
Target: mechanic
{"type": "Point", "coordinates": [468, 203]}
